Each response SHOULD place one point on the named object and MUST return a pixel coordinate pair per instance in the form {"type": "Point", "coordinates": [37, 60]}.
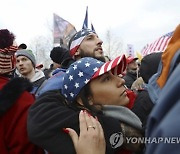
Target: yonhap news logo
{"type": "Point", "coordinates": [116, 140]}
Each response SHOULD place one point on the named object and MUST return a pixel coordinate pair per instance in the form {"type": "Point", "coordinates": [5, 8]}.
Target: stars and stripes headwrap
{"type": "Point", "coordinates": [7, 51]}
{"type": "Point", "coordinates": [82, 71]}
{"type": "Point", "coordinates": [77, 39]}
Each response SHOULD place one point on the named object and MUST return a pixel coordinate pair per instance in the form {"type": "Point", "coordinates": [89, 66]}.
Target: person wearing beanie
{"type": "Point", "coordinates": [26, 66]}
{"type": "Point", "coordinates": [27, 53]}
{"type": "Point", "coordinates": [57, 55]}
{"type": "Point", "coordinates": [15, 101]}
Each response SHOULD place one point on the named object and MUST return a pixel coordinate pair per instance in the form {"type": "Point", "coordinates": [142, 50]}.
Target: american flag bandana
{"type": "Point", "coordinates": [78, 38]}
{"type": "Point", "coordinates": [82, 71]}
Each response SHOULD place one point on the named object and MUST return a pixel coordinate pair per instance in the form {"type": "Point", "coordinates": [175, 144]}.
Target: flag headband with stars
{"type": "Point", "coordinates": [77, 39]}
{"type": "Point", "coordinates": [82, 71]}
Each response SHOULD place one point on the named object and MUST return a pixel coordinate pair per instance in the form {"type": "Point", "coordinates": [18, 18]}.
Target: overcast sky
{"type": "Point", "coordinates": [136, 22]}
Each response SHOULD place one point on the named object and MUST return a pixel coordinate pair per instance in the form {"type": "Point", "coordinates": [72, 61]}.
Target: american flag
{"type": "Point", "coordinates": [92, 27]}
{"type": "Point", "coordinates": [157, 46]}
{"type": "Point", "coordinates": [78, 38]}
{"type": "Point", "coordinates": [85, 23]}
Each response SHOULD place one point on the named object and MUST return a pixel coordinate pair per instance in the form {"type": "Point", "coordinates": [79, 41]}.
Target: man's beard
{"type": "Point", "coordinates": [83, 54]}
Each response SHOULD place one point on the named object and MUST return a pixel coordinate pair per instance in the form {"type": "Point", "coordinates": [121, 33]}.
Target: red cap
{"type": "Point", "coordinates": [39, 66]}
{"type": "Point", "coordinates": [130, 59]}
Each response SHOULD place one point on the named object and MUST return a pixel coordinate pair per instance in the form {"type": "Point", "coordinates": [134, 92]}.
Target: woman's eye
{"type": "Point", "coordinates": [107, 78]}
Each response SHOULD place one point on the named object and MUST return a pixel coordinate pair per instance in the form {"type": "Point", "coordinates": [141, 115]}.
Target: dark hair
{"type": "Point", "coordinates": [6, 38]}
{"type": "Point", "coordinates": [58, 54]}
{"type": "Point", "coordinates": [84, 94]}
{"type": "Point", "coordinates": [147, 70]}
{"type": "Point", "coordinates": [22, 46]}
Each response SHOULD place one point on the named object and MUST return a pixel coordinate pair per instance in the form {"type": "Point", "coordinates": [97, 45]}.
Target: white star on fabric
{"type": "Point", "coordinates": [80, 74]}
{"type": "Point", "coordinates": [76, 85]}
{"type": "Point", "coordinates": [86, 81]}
{"type": "Point", "coordinates": [67, 71]}
{"type": "Point", "coordinates": [95, 69]}
{"type": "Point", "coordinates": [65, 86]}
{"type": "Point", "coordinates": [82, 32]}
{"type": "Point", "coordinates": [71, 94]}
{"type": "Point", "coordinates": [70, 77]}
{"type": "Point", "coordinates": [87, 64]}
{"type": "Point", "coordinates": [75, 67]}
{"type": "Point", "coordinates": [98, 62]}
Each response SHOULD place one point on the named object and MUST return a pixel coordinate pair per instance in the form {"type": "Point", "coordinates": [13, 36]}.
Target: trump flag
{"type": "Point", "coordinates": [63, 31]}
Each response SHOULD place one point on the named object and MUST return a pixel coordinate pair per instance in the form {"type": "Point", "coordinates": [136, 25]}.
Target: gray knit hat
{"type": "Point", "coordinates": [27, 53]}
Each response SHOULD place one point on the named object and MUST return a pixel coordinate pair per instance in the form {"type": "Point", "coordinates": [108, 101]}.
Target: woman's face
{"type": "Point", "coordinates": [109, 89]}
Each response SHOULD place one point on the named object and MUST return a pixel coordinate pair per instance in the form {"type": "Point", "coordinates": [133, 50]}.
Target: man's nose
{"type": "Point", "coordinates": [99, 41]}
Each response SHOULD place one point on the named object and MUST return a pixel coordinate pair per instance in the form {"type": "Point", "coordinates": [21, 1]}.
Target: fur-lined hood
{"type": "Point", "coordinates": [12, 91]}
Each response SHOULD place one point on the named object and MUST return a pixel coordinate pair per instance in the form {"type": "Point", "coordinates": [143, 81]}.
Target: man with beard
{"type": "Point", "coordinates": [86, 43]}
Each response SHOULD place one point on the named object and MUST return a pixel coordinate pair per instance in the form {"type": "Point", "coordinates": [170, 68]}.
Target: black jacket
{"type": "Point", "coordinates": [142, 106]}
{"type": "Point", "coordinates": [49, 115]}
{"type": "Point", "coordinates": [129, 79]}
{"type": "Point", "coordinates": [11, 92]}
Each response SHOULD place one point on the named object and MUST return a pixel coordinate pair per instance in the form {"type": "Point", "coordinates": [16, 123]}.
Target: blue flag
{"type": "Point", "coordinates": [85, 24]}
{"type": "Point", "coordinates": [92, 27]}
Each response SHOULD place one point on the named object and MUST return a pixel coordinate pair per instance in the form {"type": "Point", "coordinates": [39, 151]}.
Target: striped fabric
{"type": "Point", "coordinates": [157, 46]}
{"type": "Point", "coordinates": [9, 49]}
{"type": "Point", "coordinates": [120, 61]}
{"type": "Point", "coordinates": [78, 38]}
{"type": "Point", "coordinates": [7, 59]}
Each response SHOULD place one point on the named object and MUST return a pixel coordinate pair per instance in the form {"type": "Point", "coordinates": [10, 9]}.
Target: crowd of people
{"type": "Point", "coordinates": [86, 102]}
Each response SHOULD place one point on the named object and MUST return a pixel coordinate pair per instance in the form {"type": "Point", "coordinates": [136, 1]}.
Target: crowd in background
{"type": "Point", "coordinates": [86, 102]}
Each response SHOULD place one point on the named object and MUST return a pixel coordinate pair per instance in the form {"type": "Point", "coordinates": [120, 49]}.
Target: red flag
{"type": "Point", "coordinates": [157, 46]}
{"type": "Point", "coordinates": [63, 31]}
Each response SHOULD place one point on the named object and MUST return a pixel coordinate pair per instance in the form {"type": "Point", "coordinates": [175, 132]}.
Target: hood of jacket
{"type": "Point", "coordinates": [11, 91]}
{"type": "Point", "coordinates": [38, 75]}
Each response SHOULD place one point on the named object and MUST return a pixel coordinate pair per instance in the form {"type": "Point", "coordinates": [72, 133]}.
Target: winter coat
{"type": "Point", "coordinates": [49, 115]}
{"type": "Point", "coordinates": [14, 104]}
{"type": "Point", "coordinates": [164, 119]}
{"type": "Point", "coordinates": [37, 80]}
{"type": "Point", "coordinates": [129, 79]}
{"type": "Point", "coordinates": [142, 106]}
